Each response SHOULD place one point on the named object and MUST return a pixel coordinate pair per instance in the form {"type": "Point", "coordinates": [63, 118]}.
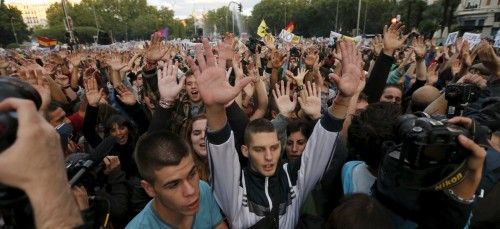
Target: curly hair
{"type": "Point", "coordinates": [370, 129]}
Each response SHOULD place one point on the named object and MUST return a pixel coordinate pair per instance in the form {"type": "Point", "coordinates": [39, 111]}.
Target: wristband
{"type": "Point", "coordinates": [457, 198]}
{"type": "Point", "coordinates": [166, 103]}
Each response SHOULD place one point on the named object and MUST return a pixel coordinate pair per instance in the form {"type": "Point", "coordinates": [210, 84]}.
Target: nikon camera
{"type": "Point", "coordinates": [459, 96]}
{"type": "Point", "coordinates": [428, 156]}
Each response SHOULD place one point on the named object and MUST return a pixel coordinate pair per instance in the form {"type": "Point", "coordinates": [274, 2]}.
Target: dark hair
{"type": "Point", "coordinates": [370, 129]}
{"type": "Point", "coordinates": [363, 97]}
{"type": "Point", "coordinates": [156, 150]}
{"type": "Point", "coordinates": [189, 127]}
{"type": "Point", "coordinates": [201, 163]}
{"type": "Point", "coordinates": [299, 125]}
{"type": "Point", "coordinates": [359, 211]}
{"type": "Point", "coordinates": [121, 120]}
{"type": "Point", "coordinates": [394, 86]}
{"type": "Point", "coordinates": [260, 125]}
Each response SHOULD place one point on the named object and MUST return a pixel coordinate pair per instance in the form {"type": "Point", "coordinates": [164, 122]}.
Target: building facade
{"type": "Point", "coordinates": [34, 12]}
{"type": "Point", "coordinates": [479, 16]}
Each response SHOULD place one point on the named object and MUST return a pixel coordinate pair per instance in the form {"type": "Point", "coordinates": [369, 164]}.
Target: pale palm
{"type": "Point", "coordinates": [282, 98]}
{"type": "Point", "coordinates": [310, 100]}
{"type": "Point", "coordinates": [91, 92]}
{"type": "Point", "coordinates": [167, 82]}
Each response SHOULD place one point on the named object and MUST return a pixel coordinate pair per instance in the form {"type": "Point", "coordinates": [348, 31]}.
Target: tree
{"type": "Point", "coordinates": [11, 21]}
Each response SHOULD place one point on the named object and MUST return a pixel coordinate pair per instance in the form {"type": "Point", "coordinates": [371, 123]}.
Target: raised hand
{"type": "Point", "coordinates": [488, 57]}
{"type": "Point", "coordinates": [299, 78]}
{"type": "Point", "coordinates": [282, 98]}
{"type": "Point", "coordinates": [393, 39]}
{"type": "Point", "coordinates": [419, 48]}
{"type": "Point", "coordinates": [277, 59]}
{"type": "Point", "coordinates": [352, 74]}
{"type": "Point", "coordinates": [43, 88]}
{"type": "Point", "coordinates": [168, 85]}
{"type": "Point", "coordinates": [432, 75]}
{"type": "Point", "coordinates": [213, 85]}
{"type": "Point", "coordinates": [115, 63]}
{"type": "Point", "coordinates": [92, 93]}
{"type": "Point", "coordinates": [4, 63]}
{"type": "Point", "coordinates": [155, 51]}
{"type": "Point", "coordinates": [125, 95]}
{"type": "Point", "coordinates": [226, 48]}
{"type": "Point", "coordinates": [75, 59]}
{"type": "Point", "coordinates": [112, 163]}
{"type": "Point", "coordinates": [310, 101]}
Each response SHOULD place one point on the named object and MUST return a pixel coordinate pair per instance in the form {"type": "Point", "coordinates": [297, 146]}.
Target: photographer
{"type": "Point", "coordinates": [105, 196]}
{"type": "Point", "coordinates": [420, 204]}
{"type": "Point", "coordinates": [39, 171]}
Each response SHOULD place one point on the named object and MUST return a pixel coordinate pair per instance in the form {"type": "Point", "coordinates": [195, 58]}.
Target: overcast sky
{"type": "Point", "coordinates": [182, 8]}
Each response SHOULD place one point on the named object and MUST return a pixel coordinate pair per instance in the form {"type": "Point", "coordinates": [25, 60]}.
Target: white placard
{"type": "Point", "coordinates": [286, 36]}
{"type": "Point", "coordinates": [452, 38]}
{"type": "Point", "coordinates": [497, 40]}
{"type": "Point", "coordinates": [472, 38]}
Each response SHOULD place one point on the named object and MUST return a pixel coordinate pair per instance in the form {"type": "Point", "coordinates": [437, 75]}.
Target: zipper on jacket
{"type": "Point", "coordinates": [266, 189]}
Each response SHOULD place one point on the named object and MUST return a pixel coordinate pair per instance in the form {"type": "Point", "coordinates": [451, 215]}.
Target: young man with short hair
{"type": "Point", "coordinates": [268, 194]}
{"type": "Point", "coordinates": [180, 199]}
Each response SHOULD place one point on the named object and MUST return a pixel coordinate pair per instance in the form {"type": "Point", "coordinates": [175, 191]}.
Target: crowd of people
{"type": "Point", "coordinates": [264, 135]}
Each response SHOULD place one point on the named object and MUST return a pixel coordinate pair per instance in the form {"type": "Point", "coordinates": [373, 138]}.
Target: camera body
{"type": "Point", "coordinates": [252, 44]}
{"type": "Point", "coordinates": [459, 96]}
{"type": "Point", "coordinates": [429, 156]}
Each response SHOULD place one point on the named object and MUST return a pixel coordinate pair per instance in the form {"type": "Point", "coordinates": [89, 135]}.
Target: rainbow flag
{"type": "Point", "coordinates": [46, 42]}
{"type": "Point", "coordinates": [290, 26]}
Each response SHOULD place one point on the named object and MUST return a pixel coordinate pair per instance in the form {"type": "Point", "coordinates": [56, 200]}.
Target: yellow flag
{"type": "Point", "coordinates": [263, 29]}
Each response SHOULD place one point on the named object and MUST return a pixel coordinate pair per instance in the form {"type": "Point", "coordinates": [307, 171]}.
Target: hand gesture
{"type": "Point", "coordinates": [473, 79]}
{"type": "Point", "coordinates": [465, 56]}
{"type": "Point", "coordinates": [125, 95]}
{"type": "Point", "coordinates": [419, 48]}
{"type": "Point", "coordinates": [92, 93]}
{"type": "Point", "coordinates": [115, 63]}
{"type": "Point", "coordinates": [432, 75]}
{"type": "Point", "coordinates": [226, 47]}
{"type": "Point", "coordinates": [42, 86]}
{"type": "Point", "coordinates": [155, 51]}
{"type": "Point", "coordinates": [282, 98]}
{"type": "Point", "coordinates": [299, 78]}
{"type": "Point", "coordinates": [277, 59]}
{"type": "Point", "coordinates": [211, 77]}
{"type": "Point", "coordinates": [310, 101]}
{"type": "Point", "coordinates": [488, 57]}
{"type": "Point", "coordinates": [74, 59]}
{"type": "Point", "coordinates": [167, 82]}
{"type": "Point", "coordinates": [392, 38]}
{"type": "Point", "coordinates": [81, 197]}
{"type": "Point", "coordinates": [351, 70]}
{"type": "Point", "coordinates": [112, 163]}
{"type": "Point", "coordinates": [4, 63]}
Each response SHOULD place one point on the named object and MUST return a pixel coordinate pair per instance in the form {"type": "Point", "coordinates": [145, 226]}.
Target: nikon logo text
{"type": "Point", "coordinates": [450, 182]}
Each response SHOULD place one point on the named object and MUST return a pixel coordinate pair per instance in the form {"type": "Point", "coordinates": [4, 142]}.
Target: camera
{"type": "Point", "coordinates": [459, 96]}
{"type": "Point", "coordinates": [11, 87]}
{"type": "Point", "coordinates": [428, 156]}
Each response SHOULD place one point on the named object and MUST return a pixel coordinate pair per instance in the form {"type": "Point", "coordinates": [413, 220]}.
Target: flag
{"type": "Point", "coordinates": [263, 29]}
{"type": "Point", "coordinates": [290, 26]}
{"type": "Point", "coordinates": [164, 32]}
{"type": "Point", "coordinates": [46, 42]}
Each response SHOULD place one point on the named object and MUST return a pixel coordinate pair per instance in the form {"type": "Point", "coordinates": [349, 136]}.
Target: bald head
{"type": "Point", "coordinates": [423, 96]}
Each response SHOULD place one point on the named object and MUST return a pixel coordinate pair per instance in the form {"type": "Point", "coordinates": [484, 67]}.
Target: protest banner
{"type": "Point", "coordinates": [472, 38]}
{"type": "Point", "coordinates": [452, 38]}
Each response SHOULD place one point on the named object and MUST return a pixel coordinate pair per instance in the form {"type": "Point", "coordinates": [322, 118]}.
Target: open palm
{"type": "Point", "coordinates": [211, 78]}
{"type": "Point", "coordinates": [167, 82]}
{"type": "Point", "coordinates": [347, 84]}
